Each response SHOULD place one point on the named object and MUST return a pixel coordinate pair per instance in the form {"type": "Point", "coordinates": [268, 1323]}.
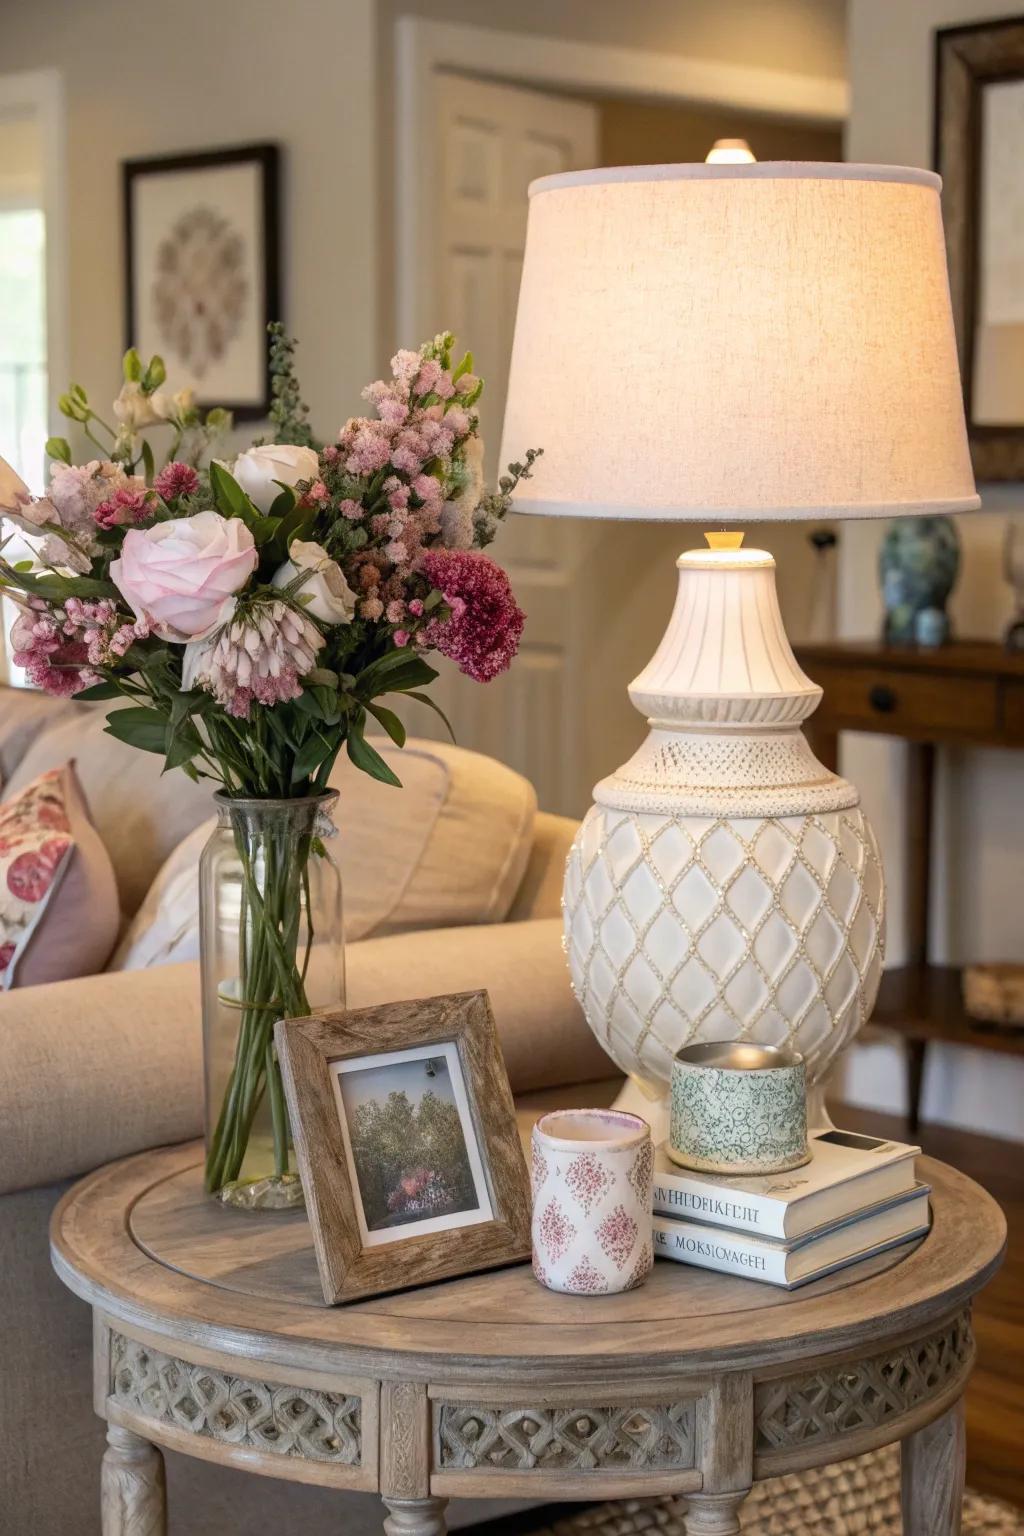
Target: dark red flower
{"type": "Point", "coordinates": [482, 633]}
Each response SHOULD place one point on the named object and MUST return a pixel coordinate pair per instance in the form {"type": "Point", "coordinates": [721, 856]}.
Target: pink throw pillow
{"type": "Point", "coordinates": [59, 912]}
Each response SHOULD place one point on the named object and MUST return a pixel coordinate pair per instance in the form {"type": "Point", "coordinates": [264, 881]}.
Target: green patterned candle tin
{"type": "Point", "coordinates": [738, 1108]}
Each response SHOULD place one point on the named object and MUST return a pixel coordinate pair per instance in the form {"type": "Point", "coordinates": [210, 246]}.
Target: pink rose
{"type": "Point", "coordinates": [181, 576]}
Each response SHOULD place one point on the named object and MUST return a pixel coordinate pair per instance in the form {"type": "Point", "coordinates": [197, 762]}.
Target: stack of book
{"type": "Point", "coordinates": [857, 1196]}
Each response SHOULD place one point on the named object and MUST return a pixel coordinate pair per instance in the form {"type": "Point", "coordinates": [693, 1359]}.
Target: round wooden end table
{"type": "Point", "coordinates": [212, 1339]}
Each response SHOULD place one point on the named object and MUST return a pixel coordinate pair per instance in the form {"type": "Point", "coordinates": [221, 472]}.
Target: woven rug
{"type": "Point", "coordinates": [855, 1498]}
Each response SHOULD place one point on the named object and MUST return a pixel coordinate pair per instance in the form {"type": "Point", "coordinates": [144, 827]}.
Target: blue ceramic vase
{"type": "Point", "coordinates": [918, 566]}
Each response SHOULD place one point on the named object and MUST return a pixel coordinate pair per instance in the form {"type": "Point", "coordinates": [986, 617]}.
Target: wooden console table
{"type": "Point", "coordinates": [212, 1339]}
{"type": "Point", "coordinates": [968, 693]}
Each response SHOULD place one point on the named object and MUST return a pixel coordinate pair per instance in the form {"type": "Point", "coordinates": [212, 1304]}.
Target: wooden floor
{"type": "Point", "coordinates": [995, 1398]}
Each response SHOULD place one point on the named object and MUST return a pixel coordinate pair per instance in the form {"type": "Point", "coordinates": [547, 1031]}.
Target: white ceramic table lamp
{"type": "Point", "coordinates": [727, 344]}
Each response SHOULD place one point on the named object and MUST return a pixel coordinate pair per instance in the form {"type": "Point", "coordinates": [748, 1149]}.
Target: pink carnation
{"type": "Point", "coordinates": [350, 509]}
{"type": "Point", "coordinates": [176, 479]}
{"type": "Point", "coordinates": [482, 634]}
{"type": "Point", "coordinates": [123, 508]}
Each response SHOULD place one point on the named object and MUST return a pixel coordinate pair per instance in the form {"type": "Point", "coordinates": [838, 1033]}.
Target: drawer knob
{"type": "Point", "coordinates": [882, 698]}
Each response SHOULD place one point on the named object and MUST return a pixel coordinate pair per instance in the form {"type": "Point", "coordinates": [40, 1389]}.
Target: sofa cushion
{"type": "Point", "coordinates": [58, 898]}
{"type": "Point", "coordinates": [449, 847]}
{"type": "Point", "coordinates": [140, 813]}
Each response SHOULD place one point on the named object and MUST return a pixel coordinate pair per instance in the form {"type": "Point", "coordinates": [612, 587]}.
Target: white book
{"type": "Point", "coordinates": [847, 1172]}
{"type": "Point", "coordinates": [808, 1258]}
{"type": "Point", "coordinates": [794, 1263]}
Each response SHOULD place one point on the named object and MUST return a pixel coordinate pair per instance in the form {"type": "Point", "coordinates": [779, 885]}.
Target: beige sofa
{"type": "Point", "coordinates": [451, 883]}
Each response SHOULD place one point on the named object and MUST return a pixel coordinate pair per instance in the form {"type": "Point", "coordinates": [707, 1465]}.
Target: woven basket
{"type": "Point", "coordinates": [854, 1498]}
{"type": "Point", "coordinates": [995, 993]}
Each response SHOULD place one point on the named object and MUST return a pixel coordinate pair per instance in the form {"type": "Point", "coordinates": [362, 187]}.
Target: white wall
{"type": "Point", "coordinates": [198, 74]}
{"type": "Point", "coordinates": [977, 910]}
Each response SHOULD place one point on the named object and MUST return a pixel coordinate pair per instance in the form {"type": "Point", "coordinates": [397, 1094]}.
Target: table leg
{"type": "Point", "coordinates": [932, 1476]}
{"type": "Point", "coordinates": [133, 1492]}
{"type": "Point", "coordinates": [714, 1514]}
{"type": "Point", "coordinates": [414, 1517]}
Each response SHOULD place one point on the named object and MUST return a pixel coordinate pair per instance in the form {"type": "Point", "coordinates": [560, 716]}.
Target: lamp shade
{"type": "Point", "coordinates": [737, 343]}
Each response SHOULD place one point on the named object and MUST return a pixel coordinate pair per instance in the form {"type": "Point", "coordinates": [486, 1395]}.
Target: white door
{"type": "Point", "coordinates": [493, 140]}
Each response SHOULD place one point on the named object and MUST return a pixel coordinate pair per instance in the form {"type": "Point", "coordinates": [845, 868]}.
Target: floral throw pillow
{"type": "Point", "coordinates": [58, 897]}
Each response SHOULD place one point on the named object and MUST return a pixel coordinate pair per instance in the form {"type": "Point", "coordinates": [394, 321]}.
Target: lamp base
{"type": "Point", "coordinates": [724, 884]}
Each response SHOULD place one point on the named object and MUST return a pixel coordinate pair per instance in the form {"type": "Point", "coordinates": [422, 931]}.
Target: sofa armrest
{"type": "Point", "coordinates": [99, 1068]}
{"type": "Point", "coordinates": [540, 890]}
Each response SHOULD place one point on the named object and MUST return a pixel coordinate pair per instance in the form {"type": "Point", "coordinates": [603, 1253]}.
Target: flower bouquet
{"type": "Point", "coordinates": [254, 617]}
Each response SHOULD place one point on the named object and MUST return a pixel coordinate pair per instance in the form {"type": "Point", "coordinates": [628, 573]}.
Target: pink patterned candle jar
{"type": "Point", "coordinates": [592, 1201]}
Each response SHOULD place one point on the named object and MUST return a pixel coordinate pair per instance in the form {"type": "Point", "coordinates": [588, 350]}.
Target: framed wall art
{"type": "Point", "coordinates": [407, 1143]}
{"type": "Point", "coordinates": [202, 270]}
{"type": "Point", "coordinates": [979, 151]}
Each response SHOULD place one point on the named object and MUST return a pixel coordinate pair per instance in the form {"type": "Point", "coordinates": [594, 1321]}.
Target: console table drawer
{"type": "Point", "coordinates": [898, 703]}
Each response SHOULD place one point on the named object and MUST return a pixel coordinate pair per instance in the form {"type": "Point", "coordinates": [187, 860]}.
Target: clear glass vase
{"type": "Point", "coordinates": [272, 947]}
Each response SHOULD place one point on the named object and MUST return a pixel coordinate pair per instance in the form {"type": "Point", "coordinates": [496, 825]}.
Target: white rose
{"type": "Point", "coordinates": [134, 408]}
{"type": "Point", "coordinates": [324, 593]}
{"type": "Point", "coordinates": [262, 471]}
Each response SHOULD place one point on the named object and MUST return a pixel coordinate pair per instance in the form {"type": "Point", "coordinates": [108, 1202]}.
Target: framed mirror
{"type": "Point", "coordinates": [979, 152]}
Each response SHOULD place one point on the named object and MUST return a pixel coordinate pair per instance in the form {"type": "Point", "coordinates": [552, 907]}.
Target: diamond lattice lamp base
{"type": "Point", "coordinates": [724, 884]}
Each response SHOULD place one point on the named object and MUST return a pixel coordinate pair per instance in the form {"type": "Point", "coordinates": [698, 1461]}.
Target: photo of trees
{"type": "Point", "coordinates": [408, 1142]}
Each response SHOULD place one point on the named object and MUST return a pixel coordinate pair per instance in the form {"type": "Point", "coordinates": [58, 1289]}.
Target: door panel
{"type": "Point", "coordinates": [494, 140]}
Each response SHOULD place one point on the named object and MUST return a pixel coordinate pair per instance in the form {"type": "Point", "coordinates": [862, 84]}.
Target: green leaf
{"type": "Point", "coordinates": [322, 676]}
{"type": "Point", "coordinates": [184, 745]}
{"type": "Point", "coordinates": [415, 674]}
{"type": "Point", "coordinates": [21, 566]}
{"type": "Point", "coordinates": [98, 691]}
{"type": "Point", "coordinates": [390, 721]}
{"type": "Point", "coordinates": [142, 728]}
{"type": "Point", "coordinates": [263, 529]}
{"type": "Point", "coordinates": [377, 677]}
{"type": "Point", "coordinates": [284, 501]}
{"type": "Point", "coordinates": [369, 760]}
{"type": "Point", "coordinates": [308, 703]}
{"type": "Point", "coordinates": [148, 462]}
{"type": "Point", "coordinates": [56, 588]}
{"type": "Point", "coordinates": [309, 756]}
{"type": "Point", "coordinates": [296, 523]}
{"type": "Point", "coordinates": [466, 366]}
{"type": "Point", "coordinates": [132, 365]}
{"type": "Point", "coordinates": [58, 448]}
{"type": "Point", "coordinates": [424, 698]}
{"type": "Point", "coordinates": [229, 498]}
{"type": "Point", "coordinates": [181, 708]}
{"type": "Point", "coordinates": [155, 374]}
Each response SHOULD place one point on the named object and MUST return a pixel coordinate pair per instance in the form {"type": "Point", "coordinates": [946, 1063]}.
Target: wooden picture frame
{"type": "Point", "coordinates": [338, 1068]}
{"type": "Point", "coordinates": [215, 211]}
{"type": "Point", "coordinates": [968, 60]}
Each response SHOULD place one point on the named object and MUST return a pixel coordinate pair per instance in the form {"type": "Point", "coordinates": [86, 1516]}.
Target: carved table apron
{"type": "Point", "coordinates": [212, 1339]}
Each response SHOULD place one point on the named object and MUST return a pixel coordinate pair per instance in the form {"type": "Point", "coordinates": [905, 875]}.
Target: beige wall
{"type": "Point", "coordinates": [649, 132]}
{"type": "Point", "coordinates": [803, 36]}
{"type": "Point", "coordinates": [21, 159]}
{"type": "Point", "coordinates": [197, 74]}
{"type": "Point", "coordinates": [983, 830]}
{"type": "Point", "coordinates": [979, 850]}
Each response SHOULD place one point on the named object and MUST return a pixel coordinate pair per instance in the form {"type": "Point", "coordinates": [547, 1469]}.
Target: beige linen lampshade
{"type": "Point", "coordinates": [737, 343]}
